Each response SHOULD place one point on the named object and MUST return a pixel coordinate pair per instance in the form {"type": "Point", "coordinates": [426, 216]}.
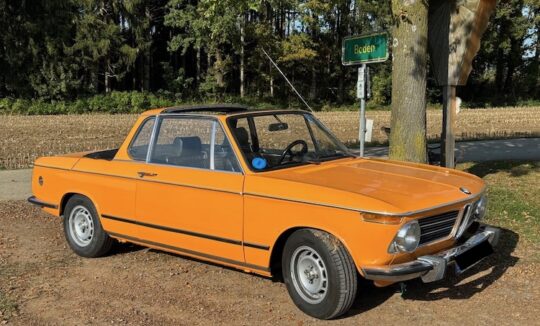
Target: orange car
{"type": "Point", "coordinates": [272, 193]}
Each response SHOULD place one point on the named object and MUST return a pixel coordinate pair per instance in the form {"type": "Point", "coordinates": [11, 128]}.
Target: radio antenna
{"type": "Point", "coordinates": [287, 79]}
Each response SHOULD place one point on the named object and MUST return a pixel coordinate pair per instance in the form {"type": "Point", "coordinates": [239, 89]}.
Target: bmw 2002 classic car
{"type": "Point", "coordinates": [268, 192]}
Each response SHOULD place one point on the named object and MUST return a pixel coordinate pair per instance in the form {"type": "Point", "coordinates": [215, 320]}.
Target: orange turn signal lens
{"type": "Point", "coordinates": [381, 219]}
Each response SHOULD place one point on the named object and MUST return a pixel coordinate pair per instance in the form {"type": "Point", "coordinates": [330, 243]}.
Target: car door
{"type": "Point", "coordinates": [113, 184]}
{"type": "Point", "coordinates": [189, 196]}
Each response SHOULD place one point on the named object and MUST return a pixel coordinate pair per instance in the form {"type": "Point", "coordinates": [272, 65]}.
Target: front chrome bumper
{"type": "Point", "coordinates": [431, 268]}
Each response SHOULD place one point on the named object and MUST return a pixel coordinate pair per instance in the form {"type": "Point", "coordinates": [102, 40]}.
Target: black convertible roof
{"type": "Point", "coordinates": [215, 108]}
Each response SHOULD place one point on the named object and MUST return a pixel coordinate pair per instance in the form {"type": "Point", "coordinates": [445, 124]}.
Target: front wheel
{"type": "Point", "coordinates": [319, 273]}
{"type": "Point", "coordinates": [83, 230]}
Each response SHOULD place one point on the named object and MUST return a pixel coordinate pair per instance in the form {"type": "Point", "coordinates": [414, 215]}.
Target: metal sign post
{"type": "Point", "coordinates": [361, 94]}
{"type": "Point", "coordinates": [364, 49]}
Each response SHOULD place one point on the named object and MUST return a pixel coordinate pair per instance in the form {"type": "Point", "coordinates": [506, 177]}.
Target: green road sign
{"type": "Point", "coordinates": [368, 48]}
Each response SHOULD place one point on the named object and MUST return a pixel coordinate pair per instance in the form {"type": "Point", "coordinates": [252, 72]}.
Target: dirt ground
{"type": "Point", "coordinates": [43, 282]}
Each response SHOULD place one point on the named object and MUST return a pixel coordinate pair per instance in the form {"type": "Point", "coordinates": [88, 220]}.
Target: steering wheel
{"type": "Point", "coordinates": [288, 150]}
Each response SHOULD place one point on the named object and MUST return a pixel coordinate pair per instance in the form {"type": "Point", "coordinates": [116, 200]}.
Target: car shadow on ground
{"type": "Point", "coordinates": [370, 296]}
{"type": "Point", "coordinates": [514, 168]}
{"type": "Point", "coordinates": [452, 287]}
{"type": "Point", "coordinates": [455, 287]}
{"type": "Point", "coordinates": [119, 248]}
{"type": "Point", "coordinates": [124, 248]}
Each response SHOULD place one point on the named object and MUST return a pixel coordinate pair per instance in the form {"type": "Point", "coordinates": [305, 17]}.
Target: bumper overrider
{"type": "Point", "coordinates": [431, 268]}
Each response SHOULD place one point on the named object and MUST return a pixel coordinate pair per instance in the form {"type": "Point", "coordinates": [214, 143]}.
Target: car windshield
{"type": "Point", "coordinates": [277, 140]}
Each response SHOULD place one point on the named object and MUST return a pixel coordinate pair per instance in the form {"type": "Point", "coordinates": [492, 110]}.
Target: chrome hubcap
{"type": "Point", "coordinates": [81, 226]}
{"type": "Point", "coordinates": [309, 275]}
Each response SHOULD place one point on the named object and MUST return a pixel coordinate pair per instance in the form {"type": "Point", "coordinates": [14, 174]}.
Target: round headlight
{"type": "Point", "coordinates": [481, 207]}
{"type": "Point", "coordinates": [407, 238]}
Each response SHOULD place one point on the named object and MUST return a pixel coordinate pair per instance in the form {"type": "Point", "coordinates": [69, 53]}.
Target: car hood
{"type": "Point", "coordinates": [369, 185]}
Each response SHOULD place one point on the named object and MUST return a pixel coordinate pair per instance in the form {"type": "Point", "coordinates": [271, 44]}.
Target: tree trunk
{"type": "Point", "coordinates": [107, 76]}
{"type": "Point", "coordinates": [512, 61]}
{"type": "Point", "coordinates": [341, 86]}
{"type": "Point", "coordinates": [282, 23]}
{"type": "Point", "coordinates": [218, 69]}
{"type": "Point", "coordinates": [94, 78]}
{"type": "Point", "coordinates": [134, 74]}
{"type": "Point", "coordinates": [500, 64]}
{"type": "Point", "coordinates": [271, 82]}
{"type": "Point", "coordinates": [313, 88]}
{"type": "Point", "coordinates": [535, 82]}
{"type": "Point", "coordinates": [499, 71]}
{"type": "Point", "coordinates": [242, 56]}
{"type": "Point", "coordinates": [408, 133]}
{"type": "Point", "coordinates": [146, 70]}
{"type": "Point", "coordinates": [198, 72]}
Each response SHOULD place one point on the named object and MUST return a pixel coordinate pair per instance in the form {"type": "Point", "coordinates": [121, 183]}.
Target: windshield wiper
{"type": "Point", "coordinates": [315, 161]}
{"type": "Point", "coordinates": [348, 154]}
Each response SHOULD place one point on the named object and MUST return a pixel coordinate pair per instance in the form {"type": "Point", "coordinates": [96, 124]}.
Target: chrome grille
{"type": "Point", "coordinates": [437, 227]}
{"type": "Point", "coordinates": [465, 220]}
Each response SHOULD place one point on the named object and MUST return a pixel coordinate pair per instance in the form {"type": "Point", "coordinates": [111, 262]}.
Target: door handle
{"type": "Point", "coordinates": [143, 174]}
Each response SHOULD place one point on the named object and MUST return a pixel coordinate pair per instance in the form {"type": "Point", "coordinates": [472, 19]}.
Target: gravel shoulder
{"type": "Point", "coordinates": [15, 184]}
{"type": "Point", "coordinates": [43, 282]}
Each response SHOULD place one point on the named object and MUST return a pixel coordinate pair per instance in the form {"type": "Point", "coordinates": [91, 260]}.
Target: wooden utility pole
{"type": "Point", "coordinates": [448, 137]}
{"type": "Point", "coordinates": [455, 30]}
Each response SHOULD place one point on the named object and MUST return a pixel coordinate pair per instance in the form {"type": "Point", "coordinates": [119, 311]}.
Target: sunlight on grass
{"type": "Point", "coordinates": [513, 195]}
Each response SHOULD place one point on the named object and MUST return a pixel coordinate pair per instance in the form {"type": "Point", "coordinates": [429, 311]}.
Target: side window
{"type": "Point", "coordinates": [139, 146]}
{"type": "Point", "coordinates": [183, 142]}
{"type": "Point", "coordinates": [188, 142]}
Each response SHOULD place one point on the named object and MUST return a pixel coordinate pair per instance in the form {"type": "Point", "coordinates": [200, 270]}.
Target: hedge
{"type": "Point", "coordinates": [114, 102]}
{"type": "Point", "coordinates": [121, 102]}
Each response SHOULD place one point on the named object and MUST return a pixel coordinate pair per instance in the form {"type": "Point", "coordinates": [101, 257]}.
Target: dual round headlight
{"type": "Point", "coordinates": [480, 208]}
{"type": "Point", "coordinates": [407, 238]}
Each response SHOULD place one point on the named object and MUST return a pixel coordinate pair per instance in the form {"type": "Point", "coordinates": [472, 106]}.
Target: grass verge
{"type": "Point", "coordinates": [513, 195]}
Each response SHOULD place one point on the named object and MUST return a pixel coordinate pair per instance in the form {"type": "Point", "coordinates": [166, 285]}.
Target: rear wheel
{"type": "Point", "coordinates": [83, 230]}
{"type": "Point", "coordinates": [319, 273]}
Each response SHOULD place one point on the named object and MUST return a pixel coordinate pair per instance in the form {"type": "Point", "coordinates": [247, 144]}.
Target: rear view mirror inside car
{"type": "Point", "coordinates": [278, 126]}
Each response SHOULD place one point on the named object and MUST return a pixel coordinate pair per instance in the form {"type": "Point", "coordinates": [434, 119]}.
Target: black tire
{"type": "Point", "coordinates": [90, 241]}
{"type": "Point", "coordinates": [334, 264]}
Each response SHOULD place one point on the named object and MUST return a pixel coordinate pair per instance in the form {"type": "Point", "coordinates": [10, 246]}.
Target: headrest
{"type": "Point", "coordinates": [188, 145]}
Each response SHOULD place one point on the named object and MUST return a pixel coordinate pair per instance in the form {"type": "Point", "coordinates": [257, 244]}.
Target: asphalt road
{"type": "Point", "coordinates": [15, 184]}
{"type": "Point", "coordinates": [486, 150]}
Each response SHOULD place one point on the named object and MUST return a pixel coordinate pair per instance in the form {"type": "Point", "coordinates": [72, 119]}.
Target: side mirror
{"type": "Point", "coordinates": [278, 126]}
